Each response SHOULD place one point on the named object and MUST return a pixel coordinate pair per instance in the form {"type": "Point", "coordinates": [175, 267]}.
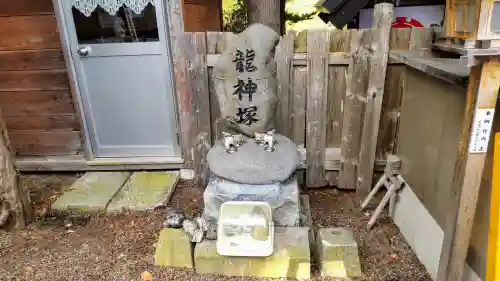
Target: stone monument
{"type": "Point", "coordinates": [244, 78]}
{"type": "Point", "coordinates": [245, 168]}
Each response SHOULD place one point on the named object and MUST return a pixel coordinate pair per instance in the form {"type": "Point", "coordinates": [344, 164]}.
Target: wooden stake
{"type": "Point", "coordinates": [15, 207]}
{"type": "Point", "coordinates": [482, 96]}
{"type": "Point", "coordinates": [382, 20]}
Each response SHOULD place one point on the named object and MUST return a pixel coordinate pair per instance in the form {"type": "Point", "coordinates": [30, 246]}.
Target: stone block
{"type": "Point", "coordinates": [174, 249]}
{"type": "Point", "coordinates": [290, 259]}
{"type": "Point", "coordinates": [92, 192]}
{"type": "Point", "coordinates": [145, 191]}
{"type": "Point", "coordinates": [337, 253]}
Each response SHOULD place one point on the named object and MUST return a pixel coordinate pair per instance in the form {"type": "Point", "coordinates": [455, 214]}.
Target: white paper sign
{"type": "Point", "coordinates": [481, 130]}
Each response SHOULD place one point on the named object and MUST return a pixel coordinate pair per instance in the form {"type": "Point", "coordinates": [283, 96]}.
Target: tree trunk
{"type": "Point", "coordinates": [268, 12]}
{"type": "Point", "coordinates": [15, 208]}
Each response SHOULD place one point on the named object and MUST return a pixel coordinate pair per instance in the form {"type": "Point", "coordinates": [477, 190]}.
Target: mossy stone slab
{"type": "Point", "coordinates": [145, 191]}
{"type": "Point", "coordinates": [92, 192]}
{"type": "Point", "coordinates": [290, 259]}
{"type": "Point", "coordinates": [174, 249]}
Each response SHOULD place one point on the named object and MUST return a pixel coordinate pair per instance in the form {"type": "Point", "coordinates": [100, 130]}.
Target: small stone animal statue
{"type": "Point", "coordinates": [266, 140]}
{"type": "Point", "coordinates": [195, 229]}
{"type": "Point", "coordinates": [232, 142]}
{"type": "Point", "coordinates": [194, 233]}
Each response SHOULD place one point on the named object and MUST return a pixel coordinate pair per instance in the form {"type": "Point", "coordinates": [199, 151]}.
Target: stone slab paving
{"type": "Point", "coordinates": [291, 258]}
{"type": "Point", "coordinates": [145, 191]}
{"type": "Point", "coordinates": [92, 192]}
{"type": "Point", "coordinates": [174, 249]}
{"type": "Point", "coordinates": [337, 253]}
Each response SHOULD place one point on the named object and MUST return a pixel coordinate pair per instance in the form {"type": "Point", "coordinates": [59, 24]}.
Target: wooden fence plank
{"type": "Point", "coordinates": [339, 42]}
{"type": "Point", "coordinates": [389, 119]}
{"type": "Point", "coordinates": [299, 99]}
{"type": "Point", "coordinates": [197, 60]}
{"type": "Point", "coordinates": [481, 98]}
{"type": "Point", "coordinates": [378, 65]}
{"type": "Point", "coordinates": [183, 94]}
{"type": "Point", "coordinates": [420, 38]}
{"type": "Point", "coordinates": [213, 39]}
{"type": "Point", "coordinates": [400, 39]}
{"type": "Point", "coordinates": [284, 57]}
{"type": "Point", "coordinates": [33, 80]}
{"type": "Point", "coordinates": [32, 60]}
{"type": "Point", "coordinates": [29, 32]}
{"type": "Point", "coordinates": [354, 107]}
{"type": "Point", "coordinates": [196, 56]}
{"type": "Point", "coordinates": [317, 51]}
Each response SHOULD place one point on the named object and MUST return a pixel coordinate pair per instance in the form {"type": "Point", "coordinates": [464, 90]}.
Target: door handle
{"type": "Point", "coordinates": [84, 51]}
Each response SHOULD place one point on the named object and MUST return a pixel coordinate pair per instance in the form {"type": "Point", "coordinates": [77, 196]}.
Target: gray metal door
{"type": "Point", "coordinates": [123, 68]}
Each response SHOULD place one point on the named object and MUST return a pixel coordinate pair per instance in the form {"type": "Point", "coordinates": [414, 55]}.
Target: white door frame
{"type": "Point", "coordinates": [61, 19]}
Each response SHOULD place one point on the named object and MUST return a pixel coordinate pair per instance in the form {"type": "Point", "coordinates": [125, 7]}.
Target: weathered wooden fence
{"type": "Point", "coordinates": [324, 93]}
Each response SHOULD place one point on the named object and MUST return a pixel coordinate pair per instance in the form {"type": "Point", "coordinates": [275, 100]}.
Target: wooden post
{"type": "Point", "coordinates": [482, 93]}
{"type": "Point", "coordinates": [284, 62]}
{"type": "Point", "coordinates": [382, 20]}
{"type": "Point", "coordinates": [268, 12]}
{"type": "Point", "coordinates": [183, 92]}
{"type": "Point", "coordinates": [15, 207]}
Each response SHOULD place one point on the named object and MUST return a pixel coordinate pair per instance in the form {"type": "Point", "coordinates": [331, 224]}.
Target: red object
{"type": "Point", "coordinates": [405, 22]}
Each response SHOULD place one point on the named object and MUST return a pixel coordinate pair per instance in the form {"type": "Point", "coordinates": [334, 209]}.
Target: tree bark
{"type": "Point", "coordinates": [15, 208]}
{"type": "Point", "coordinates": [268, 12]}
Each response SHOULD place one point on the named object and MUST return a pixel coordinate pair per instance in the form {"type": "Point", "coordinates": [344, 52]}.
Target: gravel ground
{"type": "Point", "coordinates": [121, 247]}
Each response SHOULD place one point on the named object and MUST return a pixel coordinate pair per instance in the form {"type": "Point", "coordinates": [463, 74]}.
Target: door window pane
{"type": "Point", "coordinates": [123, 27]}
{"type": "Point", "coordinates": [495, 18]}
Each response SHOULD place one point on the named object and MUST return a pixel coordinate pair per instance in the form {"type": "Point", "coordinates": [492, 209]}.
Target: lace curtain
{"type": "Point", "coordinates": [86, 7]}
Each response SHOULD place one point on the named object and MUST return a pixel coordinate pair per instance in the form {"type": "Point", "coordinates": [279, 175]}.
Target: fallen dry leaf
{"type": "Point", "coordinates": [146, 276]}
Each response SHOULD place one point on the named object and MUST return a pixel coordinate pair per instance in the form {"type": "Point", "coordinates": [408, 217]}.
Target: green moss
{"type": "Point", "coordinates": [144, 190]}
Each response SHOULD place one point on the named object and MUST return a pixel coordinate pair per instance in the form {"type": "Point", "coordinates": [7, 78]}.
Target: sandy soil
{"type": "Point", "coordinates": [116, 248]}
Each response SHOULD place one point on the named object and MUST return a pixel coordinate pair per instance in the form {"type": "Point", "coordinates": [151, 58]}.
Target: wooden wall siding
{"type": "Point", "coordinates": [26, 7]}
{"type": "Point", "coordinates": [35, 97]}
{"type": "Point", "coordinates": [28, 33]}
{"type": "Point", "coordinates": [297, 116]}
{"type": "Point", "coordinates": [202, 15]}
{"type": "Point", "coordinates": [32, 60]}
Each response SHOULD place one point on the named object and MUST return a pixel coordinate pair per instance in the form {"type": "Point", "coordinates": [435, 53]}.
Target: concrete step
{"type": "Point", "coordinates": [117, 191]}
{"type": "Point", "coordinates": [145, 191]}
{"type": "Point", "coordinates": [92, 192]}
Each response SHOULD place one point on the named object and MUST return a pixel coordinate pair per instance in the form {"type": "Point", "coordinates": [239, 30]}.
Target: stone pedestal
{"type": "Point", "coordinates": [283, 198]}
{"type": "Point", "coordinates": [291, 258]}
